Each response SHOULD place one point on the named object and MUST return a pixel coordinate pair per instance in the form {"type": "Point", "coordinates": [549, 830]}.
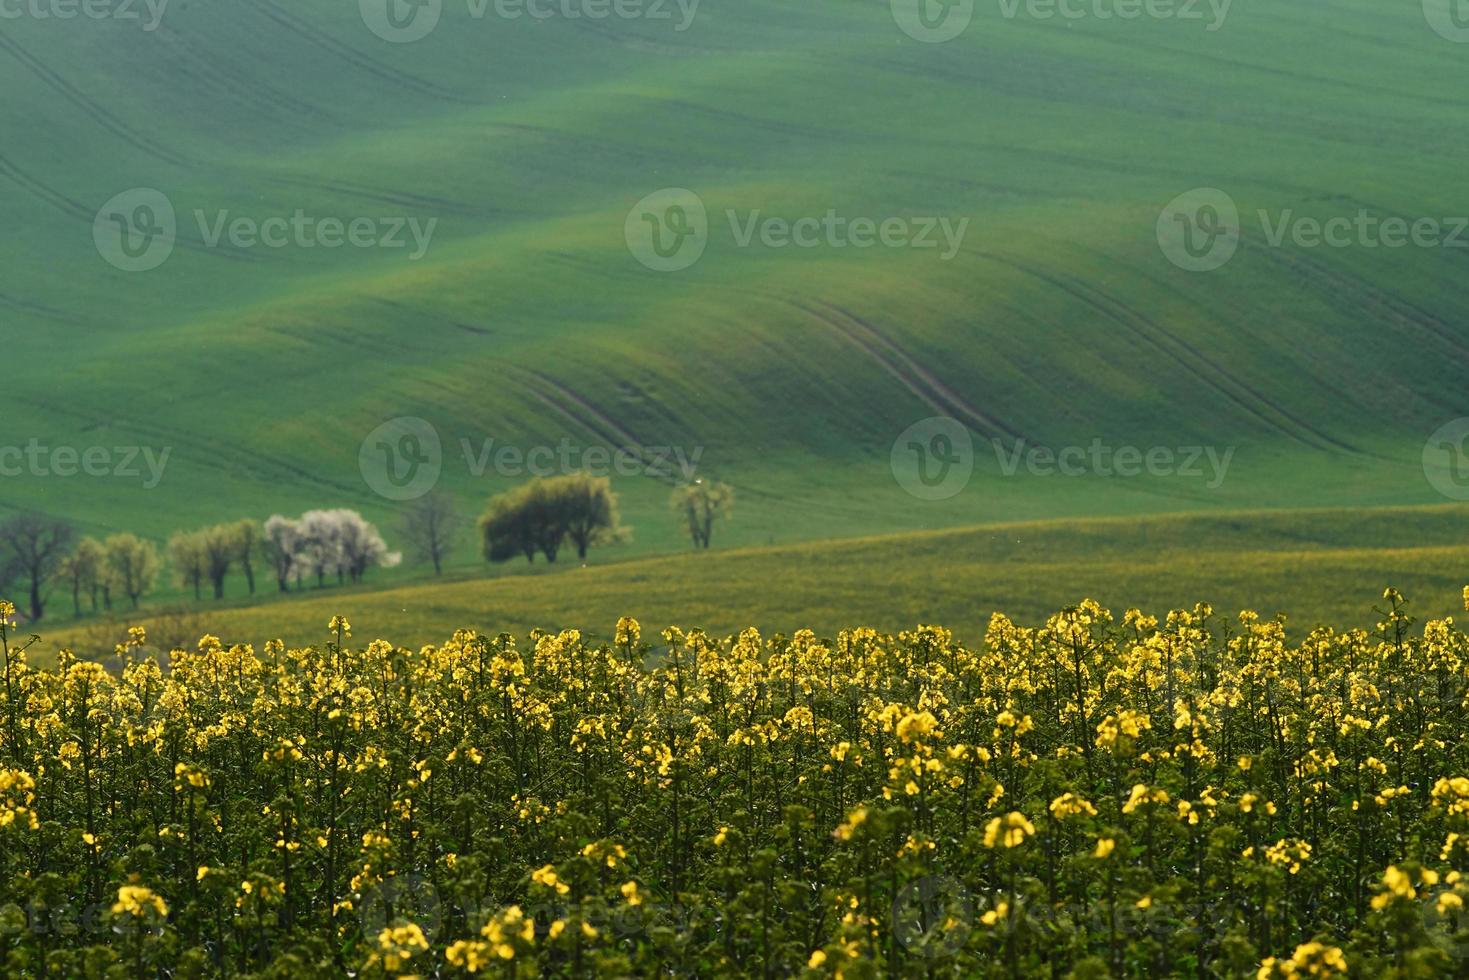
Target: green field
{"type": "Point", "coordinates": [1327, 567]}
{"type": "Point", "coordinates": [792, 370]}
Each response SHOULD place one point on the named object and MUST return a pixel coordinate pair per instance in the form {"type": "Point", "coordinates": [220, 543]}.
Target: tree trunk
{"type": "Point", "coordinates": [38, 606]}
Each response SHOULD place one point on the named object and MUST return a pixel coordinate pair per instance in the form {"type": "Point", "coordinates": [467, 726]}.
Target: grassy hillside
{"type": "Point", "coordinates": [1325, 567]}
{"type": "Point", "coordinates": [528, 320]}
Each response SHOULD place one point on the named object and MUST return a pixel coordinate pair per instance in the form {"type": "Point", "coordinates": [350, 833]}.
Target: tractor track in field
{"type": "Point", "coordinates": [757, 122]}
{"type": "Point", "coordinates": [421, 314]}
{"type": "Point", "coordinates": [98, 113]}
{"type": "Point", "coordinates": [567, 403]}
{"type": "Point", "coordinates": [45, 192]}
{"type": "Point", "coordinates": [924, 375]}
{"type": "Point", "coordinates": [892, 359]}
{"type": "Point", "coordinates": [321, 39]}
{"type": "Point", "coordinates": [913, 387]}
{"type": "Point", "coordinates": [1159, 340]}
{"type": "Point", "coordinates": [1344, 292]}
{"type": "Point", "coordinates": [385, 196]}
{"type": "Point", "coordinates": [81, 212]}
{"type": "Point", "coordinates": [205, 452]}
{"type": "Point", "coordinates": [39, 310]}
{"type": "Point", "coordinates": [233, 82]}
{"type": "Point", "coordinates": [1190, 351]}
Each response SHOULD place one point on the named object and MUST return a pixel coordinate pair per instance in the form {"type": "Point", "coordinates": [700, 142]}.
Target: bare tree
{"type": "Point", "coordinates": [35, 547]}
{"type": "Point", "coordinates": [701, 503]}
{"type": "Point", "coordinates": [219, 554]}
{"type": "Point", "coordinates": [132, 564]}
{"type": "Point", "coordinates": [281, 544]}
{"type": "Point", "coordinates": [84, 571]}
{"type": "Point", "coordinates": [245, 536]}
{"type": "Point", "coordinates": [186, 552]}
{"type": "Point", "coordinates": [431, 525]}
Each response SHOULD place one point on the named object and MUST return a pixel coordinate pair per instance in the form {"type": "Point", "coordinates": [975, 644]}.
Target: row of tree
{"type": "Point", "coordinates": [543, 516]}
{"type": "Point", "coordinates": [41, 553]}
{"type": "Point", "coordinates": [209, 553]}
{"type": "Point", "coordinates": [118, 565]}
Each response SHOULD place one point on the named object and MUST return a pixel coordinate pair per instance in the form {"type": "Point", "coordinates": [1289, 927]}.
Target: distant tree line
{"type": "Point", "coordinates": [40, 554]}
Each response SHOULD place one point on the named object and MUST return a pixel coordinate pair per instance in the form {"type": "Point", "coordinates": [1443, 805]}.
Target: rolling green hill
{"type": "Point", "coordinates": [1326, 567]}
{"type": "Point", "coordinates": [528, 320]}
